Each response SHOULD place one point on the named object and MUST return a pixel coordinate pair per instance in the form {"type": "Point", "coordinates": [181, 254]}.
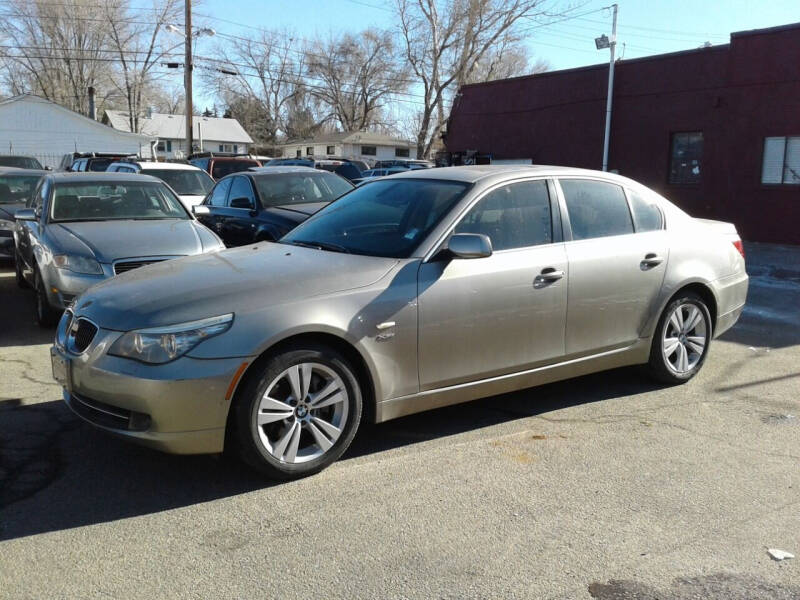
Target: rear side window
{"type": "Point", "coordinates": [646, 213]}
{"type": "Point", "coordinates": [596, 209]}
{"type": "Point", "coordinates": [513, 216]}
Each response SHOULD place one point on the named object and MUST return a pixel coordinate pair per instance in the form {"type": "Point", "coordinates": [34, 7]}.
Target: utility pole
{"type": "Point", "coordinates": [612, 46]}
{"type": "Point", "coordinates": [187, 74]}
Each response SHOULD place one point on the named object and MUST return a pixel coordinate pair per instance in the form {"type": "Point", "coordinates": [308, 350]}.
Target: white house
{"type": "Point", "coordinates": [364, 145]}
{"type": "Point", "coordinates": [209, 133]}
{"type": "Point", "coordinates": [33, 126]}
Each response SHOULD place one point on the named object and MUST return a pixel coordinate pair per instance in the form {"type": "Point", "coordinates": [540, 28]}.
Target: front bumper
{"type": "Point", "coordinates": [179, 407]}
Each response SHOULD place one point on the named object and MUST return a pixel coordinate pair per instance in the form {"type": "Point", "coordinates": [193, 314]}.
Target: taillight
{"type": "Point", "coordinates": [739, 246]}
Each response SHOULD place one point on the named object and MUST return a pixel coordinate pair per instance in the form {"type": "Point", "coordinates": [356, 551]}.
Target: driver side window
{"type": "Point", "coordinates": [513, 216]}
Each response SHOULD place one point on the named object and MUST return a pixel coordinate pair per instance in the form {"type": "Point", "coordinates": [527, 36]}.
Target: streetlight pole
{"type": "Point", "coordinates": [187, 75]}
{"type": "Point", "coordinates": [612, 46]}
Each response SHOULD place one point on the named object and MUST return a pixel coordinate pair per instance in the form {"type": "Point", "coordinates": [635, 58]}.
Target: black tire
{"type": "Point", "coordinates": [18, 272]}
{"type": "Point", "coordinates": [662, 367]}
{"type": "Point", "coordinates": [246, 434]}
{"type": "Point", "coordinates": [46, 315]}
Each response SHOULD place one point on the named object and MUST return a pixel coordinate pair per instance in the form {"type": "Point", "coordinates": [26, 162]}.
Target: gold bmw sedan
{"type": "Point", "coordinates": [411, 292]}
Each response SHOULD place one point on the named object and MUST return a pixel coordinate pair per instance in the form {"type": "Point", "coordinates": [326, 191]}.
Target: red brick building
{"type": "Point", "coordinates": [716, 130]}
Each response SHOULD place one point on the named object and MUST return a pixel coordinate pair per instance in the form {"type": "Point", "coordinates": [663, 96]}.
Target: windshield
{"type": "Point", "coordinates": [17, 188]}
{"type": "Point", "coordinates": [300, 188]}
{"type": "Point", "coordinates": [383, 218]}
{"type": "Point", "coordinates": [226, 167]}
{"type": "Point", "coordinates": [185, 182]}
{"type": "Point", "coordinates": [104, 201]}
{"type": "Point", "coordinates": [21, 162]}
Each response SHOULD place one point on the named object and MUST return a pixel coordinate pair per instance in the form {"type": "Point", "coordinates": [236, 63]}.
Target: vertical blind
{"type": "Point", "coordinates": [781, 164]}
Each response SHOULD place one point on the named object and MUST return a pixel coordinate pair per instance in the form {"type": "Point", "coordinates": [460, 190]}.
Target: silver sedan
{"type": "Point", "coordinates": [412, 292]}
{"type": "Point", "coordinates": [81, 228]}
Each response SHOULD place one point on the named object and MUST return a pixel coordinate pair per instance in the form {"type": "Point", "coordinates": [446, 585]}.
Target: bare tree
{"type": "Point", "coordinates": [508, 59]}
{"type": "Point", "coordinates": [268, 83]}
{"type": "Point", "coordinates": [445, 41]}
{"type": "Point", "coordinates": [56, 50]}
{"type": "Point", "coordinates": [354, 76]}
{"type": "Point", "coordinates": [139, 45]}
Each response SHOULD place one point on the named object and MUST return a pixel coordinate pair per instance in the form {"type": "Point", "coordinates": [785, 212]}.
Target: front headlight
{"type": "Point", "coordinates": [163, 344]}
{"type": "Point", "coordinates": [78, 264]}
{"type": "Point", "coordinates": [5, 224]}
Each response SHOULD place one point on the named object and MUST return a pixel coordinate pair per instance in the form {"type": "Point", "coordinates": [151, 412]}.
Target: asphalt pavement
{"type": "Point", "coordinates": [608, 486]}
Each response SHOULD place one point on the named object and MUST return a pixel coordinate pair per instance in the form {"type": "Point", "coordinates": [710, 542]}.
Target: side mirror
{"type": "Point", "coordinates": [470, 245]}
{"type": "Point", "coordinates": [201, 209]}
{"type": "Point", "coordinates": [25, 214]}
{"type": "Point", "coordinates": [241, 203]}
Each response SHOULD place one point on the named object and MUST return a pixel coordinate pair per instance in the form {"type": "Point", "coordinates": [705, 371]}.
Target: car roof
{"type": "Point", "coordinates": [19, 171]}
{"type": "Point", "coordinates": [475, 173]}
{"type": "Point", "coordinates": [281, 169]}
{"type": "Point", "coordinates": [152, 164]}
{"type": "Point", "coordinates": [226, 158]}
{"type": "Point", "coordinates": [100, 177]}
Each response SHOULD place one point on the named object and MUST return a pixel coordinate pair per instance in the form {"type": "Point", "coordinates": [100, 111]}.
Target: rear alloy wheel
{"type": "Point", "coordinates": [301, 415]}
{"type": "Point", "coordinates": [681, 341]}
{"type": "Point", "coordinates": [46, 315]}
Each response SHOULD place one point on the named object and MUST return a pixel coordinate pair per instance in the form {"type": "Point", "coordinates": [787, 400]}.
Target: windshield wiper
{"type": "Point", "coordinates": [320, 246]}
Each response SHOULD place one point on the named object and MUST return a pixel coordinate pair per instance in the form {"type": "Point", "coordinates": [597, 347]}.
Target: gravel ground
{"type": "Point", "coordinates": [606, 487]}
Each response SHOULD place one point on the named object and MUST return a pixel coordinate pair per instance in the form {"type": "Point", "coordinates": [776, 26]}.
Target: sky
{"type": "Point", "coordinates": [644, 27]}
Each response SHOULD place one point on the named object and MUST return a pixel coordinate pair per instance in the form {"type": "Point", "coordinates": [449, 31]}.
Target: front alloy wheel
{"type": "Point", "coordinates": [300, 415]}
{"type": "Point", "coordinates": [681, 342]}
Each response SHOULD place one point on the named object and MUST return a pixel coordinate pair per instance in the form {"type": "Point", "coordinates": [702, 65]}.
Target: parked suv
{"type": "Point", "coordinates": [189, 182]}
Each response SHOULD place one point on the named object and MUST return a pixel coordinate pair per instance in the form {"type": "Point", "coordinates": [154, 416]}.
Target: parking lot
{"type": "Point", "coordinates": [608, 486]}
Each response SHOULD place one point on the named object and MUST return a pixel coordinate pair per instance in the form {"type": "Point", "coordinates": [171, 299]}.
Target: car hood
{"type": "Point", "coordinates": [239, 280]}
{"type": "Point", "coordinates": [7, 210]}
{"type": "Point", "coordinates": [111, 240]}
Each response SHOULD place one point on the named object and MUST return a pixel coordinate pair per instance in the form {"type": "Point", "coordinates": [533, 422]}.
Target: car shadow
{"type": "Point", "coordinates": [18, 318]}
{"type": "Point", "coordinates": [57, 472]}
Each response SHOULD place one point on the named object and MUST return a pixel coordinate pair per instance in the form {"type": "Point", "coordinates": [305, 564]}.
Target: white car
{"type": "Point", "coordinates": [190, 183]}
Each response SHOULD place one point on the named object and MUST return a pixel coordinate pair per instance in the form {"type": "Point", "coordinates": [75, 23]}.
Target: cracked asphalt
{"type": "Point", "coordinates": [606, 487]}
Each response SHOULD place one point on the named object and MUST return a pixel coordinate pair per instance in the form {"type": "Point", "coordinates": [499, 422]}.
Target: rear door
{"type": "Point", "coordinates": [616, 272]}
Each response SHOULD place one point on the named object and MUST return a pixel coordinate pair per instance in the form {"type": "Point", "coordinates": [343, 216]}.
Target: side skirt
{"type": "Point", "coordinates": [637, 353]}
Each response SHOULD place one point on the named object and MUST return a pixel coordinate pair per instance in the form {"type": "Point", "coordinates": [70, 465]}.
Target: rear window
{"type": "Point", "coordinates": [100, 164]}
{"type": "Point", "coordinates": [226, 167]}
{"type": "Point", "coordinates": [185, 182]}
{"type": "Point", "coordinates": [21, 162]}
{"type": "Point", "coordinates": [300, 188]}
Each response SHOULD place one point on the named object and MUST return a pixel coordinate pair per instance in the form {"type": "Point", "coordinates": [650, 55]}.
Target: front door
{"type": "Point", "coordinates": [488, 316]}
{"type": "Point", "coordinates": [239, 221]}
{"type": "Point", "coordinates": [616, 271]}
{"type": "Point", "coordinates": [216, 207]}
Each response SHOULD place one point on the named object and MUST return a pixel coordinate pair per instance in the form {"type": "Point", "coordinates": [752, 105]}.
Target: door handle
{"type": "Point", "coordinates": [651, 260]}
{"type": "Point", "coordinates": [548, 275]}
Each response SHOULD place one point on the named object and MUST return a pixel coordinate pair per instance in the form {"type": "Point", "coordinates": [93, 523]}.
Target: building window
{"type": "Point", "coordinates": [686, 157]}
{"type": "Point", "coordinates": [781, 163]}
{"type": "Point", "coordinates": [309, 150]}
{"type": "Point", "coordinates": [369, 150]}
{"type": "Point", "coordinates": [169, 145]}
{"type": "Point", "coordinates": [330, 150]}
{"type": "Point", "coordinates": [298, 153]}
{"type": "Point", "coordinates": [161, 146]}
{"type": "Point", "coordinates": [401, 152]}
